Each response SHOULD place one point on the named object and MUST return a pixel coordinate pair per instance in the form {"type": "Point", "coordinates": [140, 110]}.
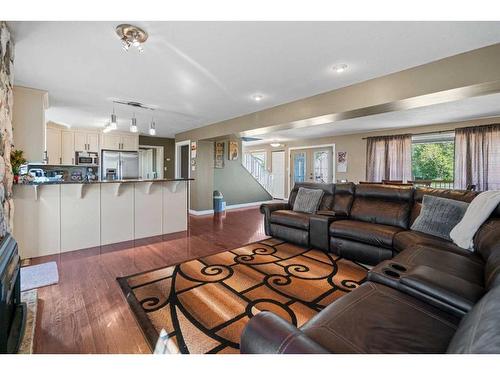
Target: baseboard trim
{"type": "Point", "coordinates": [228, 208]}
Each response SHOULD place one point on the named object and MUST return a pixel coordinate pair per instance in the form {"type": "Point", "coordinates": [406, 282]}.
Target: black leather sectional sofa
{"type": "Point", "coordinates": [423, 295]}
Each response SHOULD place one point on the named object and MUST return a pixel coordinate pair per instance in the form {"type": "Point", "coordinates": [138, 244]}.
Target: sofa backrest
{"type": "Point", "coordinates": [382, 204]}
{"type": "Point", "coordinates": [327, 199]}
{"type": "Point", "coordinates": [459, 195]}
{"type": "Point", "coordinates": [479, 330]}
{"type": "Point", "coordinates": [344, 196]}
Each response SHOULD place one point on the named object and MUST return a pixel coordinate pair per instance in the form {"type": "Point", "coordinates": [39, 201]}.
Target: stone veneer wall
{"type": "Point", "coordinates": [6, 105]}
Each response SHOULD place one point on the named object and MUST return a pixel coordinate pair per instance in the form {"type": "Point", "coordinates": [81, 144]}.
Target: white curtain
{"type": "Point", "coordinates": [388, 158]}
{"type": "Point", "coordinates": [477, 157]}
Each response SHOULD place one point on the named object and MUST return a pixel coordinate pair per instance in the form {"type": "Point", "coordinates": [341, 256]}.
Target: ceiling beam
{"type": "Point", "coordinates": [462, 76]}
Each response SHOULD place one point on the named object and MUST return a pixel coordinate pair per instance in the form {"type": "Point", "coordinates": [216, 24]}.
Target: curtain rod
{"type": "Point", "coordinates": [434, 132]}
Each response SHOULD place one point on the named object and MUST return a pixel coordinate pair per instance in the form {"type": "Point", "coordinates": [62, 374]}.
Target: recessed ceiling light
{"type": "Point", "coordinates": [257, 97]}
{"type": "Point", "coordinates": [340, 68]}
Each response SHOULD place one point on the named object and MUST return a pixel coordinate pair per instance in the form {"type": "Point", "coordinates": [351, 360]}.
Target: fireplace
{"type": "Point", "coordinates": [12, 311]}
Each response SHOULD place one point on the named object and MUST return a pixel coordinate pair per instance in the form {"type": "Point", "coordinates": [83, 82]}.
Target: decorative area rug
{"type": "Point", "coordinates": [204, 304]}
{"type": "Point", "coordinates": [44, 274]}
{"type": "Point", "coordinates": [30, 298]}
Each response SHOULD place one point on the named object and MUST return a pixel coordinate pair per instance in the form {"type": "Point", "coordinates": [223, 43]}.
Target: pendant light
{"type": "Point", "coordinates": [113, 125]}
{"type": "Point", "coordinates": [133, 125]}
{"type": "Point", "coordinates": [152, 128]}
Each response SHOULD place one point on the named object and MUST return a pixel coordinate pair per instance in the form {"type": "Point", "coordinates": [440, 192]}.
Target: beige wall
{"type": "Point", "coordinates": [28, 122]}
{"type": "Point", "coordinates": [355, 146]}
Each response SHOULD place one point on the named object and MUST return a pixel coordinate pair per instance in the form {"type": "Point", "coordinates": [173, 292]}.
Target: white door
{"type": "Point", "coordinates": [278, 171]}
{"type": "Point", "coordinates": [146, 164]}
{"type": "Point", "coordinates": [68, 147]}
{"type": "Point", "coordinates": [54, 146]}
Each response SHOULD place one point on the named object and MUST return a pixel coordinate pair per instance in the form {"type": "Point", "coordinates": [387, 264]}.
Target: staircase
{"type": "Point", "coordinates": [257, 169]}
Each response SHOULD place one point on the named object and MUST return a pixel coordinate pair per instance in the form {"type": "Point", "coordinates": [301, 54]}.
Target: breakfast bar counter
{"type": "Point", "coordinates": [54, 217]}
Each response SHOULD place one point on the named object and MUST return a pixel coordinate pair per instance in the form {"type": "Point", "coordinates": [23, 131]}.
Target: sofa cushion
{"type": "Point", "coordinates": [373, 234]}
{"type": "Point", "coordinates": [344, 195]}
{"type": "Point", "coordinates": [420, 192]}
{"type": "Point", "coordinates": [479, 331]}
{"type": "Point", "coordinates": [439, 216]}
{"type": "Point", "coordinates": [377, 319]}
{"type": "Point", "coordinates": [326, 203]}
{"type": "Point", "coordinates": [467, 266]}
{"type": "Point", "coordinates": [291, 219]}
{"type": "Point", "coordinates": [308, 200]}
{"type": "Point", "coordinates": [382, 204]}
{"type": "Point", "coordinates": [407, 238]}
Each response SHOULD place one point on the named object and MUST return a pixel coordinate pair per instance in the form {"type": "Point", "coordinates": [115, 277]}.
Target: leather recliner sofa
{"type": "Point", "coordinates": [425, 294]}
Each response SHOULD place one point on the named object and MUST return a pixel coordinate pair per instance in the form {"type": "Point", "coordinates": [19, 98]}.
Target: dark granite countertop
{"type": "Point", "coordinates": [107, 181]}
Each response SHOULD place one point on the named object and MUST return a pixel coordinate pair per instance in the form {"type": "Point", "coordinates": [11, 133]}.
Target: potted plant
{"type": "Point", "coordinates": [16, 160]}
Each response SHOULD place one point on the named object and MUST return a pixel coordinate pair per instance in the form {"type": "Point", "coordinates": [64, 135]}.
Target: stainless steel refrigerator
{"type": "Point", "coordinates": [119, 165]}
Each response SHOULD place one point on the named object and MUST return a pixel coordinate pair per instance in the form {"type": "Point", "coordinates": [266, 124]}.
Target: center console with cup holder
{"type": "Point", "coordinates": [448, 292]}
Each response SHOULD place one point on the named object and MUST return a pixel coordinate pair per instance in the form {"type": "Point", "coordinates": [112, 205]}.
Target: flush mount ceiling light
{"type": "Point", "coordinates": [133, 125]}
{"type": "Point", "coordinates": [131, 35]}
{"type": "Point", "coordinates": [275, 144]}
{"type": "Point", "coordinates": [257, 97]}
{"type": "Point", "coordinates": [340, 68]}
{"type": "Point", "coordinates": [152, 128]}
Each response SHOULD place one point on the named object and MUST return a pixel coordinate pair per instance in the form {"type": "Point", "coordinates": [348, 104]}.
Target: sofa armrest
{"type": "Point", "coordinates": [267, 333]}
{"type": "Point", "coordinates": [270, 207]}
{"type": "Point", "coordinates": [267, 209]}
{"type": "Point", "coordinates": [319, 227]}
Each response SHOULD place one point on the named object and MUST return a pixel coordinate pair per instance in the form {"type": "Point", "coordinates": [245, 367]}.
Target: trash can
{"type": "Point", "coordinates": [219, 204]}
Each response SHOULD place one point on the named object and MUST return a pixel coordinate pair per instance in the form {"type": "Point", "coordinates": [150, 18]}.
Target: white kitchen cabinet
{"type": "Point", "coordinates": [80, 141]}
{"type": "Point", "coordinates": [130, 142]}
{"type": "Point", "coordinates": [111, 141]}
{"type": "Point", "coordinates": [120, 141]}
{"type": "Point", "coordinates": [67, 147]}
{"type": "Point", "coordinates": [86, 141]}
{"type": "Point", "coordinates": [54, 145]}
{"type": "Point", "coordinates": [93, 142]}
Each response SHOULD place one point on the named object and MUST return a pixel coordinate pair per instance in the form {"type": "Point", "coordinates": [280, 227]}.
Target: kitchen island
{"type": "Point", "coordinates": [56, 217]}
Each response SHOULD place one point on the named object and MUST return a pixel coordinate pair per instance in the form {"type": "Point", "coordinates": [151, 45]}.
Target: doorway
{"type": "Point", "coordinates": [182, 159]}
{"type": "Point", "coordinates": [278, 168]}
{"type": "Point", "coordinates": [150, 162]}
{"type": "Point", "coordinates": [314, 164]}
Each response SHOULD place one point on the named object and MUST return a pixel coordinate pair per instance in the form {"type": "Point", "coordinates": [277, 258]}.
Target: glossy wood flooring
{"type": "Point", "coordinates": [86, 311]}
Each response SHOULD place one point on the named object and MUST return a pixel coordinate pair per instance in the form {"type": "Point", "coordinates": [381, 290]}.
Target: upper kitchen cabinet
{"type": "Point", "coordinates": [54, 142]}
{"type": "Point", "coordinates": [67, 147]}
{"type": "Point", "coordinates": [86, 141]}
{"type": "Point", "coordinates": [120, 141]}
{"type": "Point", "coordinates": [28, 122]}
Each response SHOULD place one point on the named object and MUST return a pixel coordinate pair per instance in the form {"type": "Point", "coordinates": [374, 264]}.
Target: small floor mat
{"type": "Point", "coordinates": [33, 277]}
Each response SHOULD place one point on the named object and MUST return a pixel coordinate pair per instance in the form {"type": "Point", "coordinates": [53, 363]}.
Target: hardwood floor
{"type": "Point", "coordinates": [86, 311]}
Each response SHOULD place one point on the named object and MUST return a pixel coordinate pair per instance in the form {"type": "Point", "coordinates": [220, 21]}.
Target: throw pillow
{"type": "Point", "coordinates": [439, 216]}
{"type": "Point", "coordinates": [308, 200]}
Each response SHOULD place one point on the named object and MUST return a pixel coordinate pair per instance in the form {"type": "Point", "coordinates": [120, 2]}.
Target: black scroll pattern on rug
{"type": "Point", "coordinates": [288, 278]}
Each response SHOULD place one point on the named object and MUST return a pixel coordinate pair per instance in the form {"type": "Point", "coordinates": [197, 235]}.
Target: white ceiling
{"type": "Point", "coordinates": [461, 110]}
{"type": "Point", "coordinates": [198, 73]}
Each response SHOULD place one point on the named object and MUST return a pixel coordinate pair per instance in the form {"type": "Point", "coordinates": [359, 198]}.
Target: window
{"type": "Point", "coordinates": [432, 158]}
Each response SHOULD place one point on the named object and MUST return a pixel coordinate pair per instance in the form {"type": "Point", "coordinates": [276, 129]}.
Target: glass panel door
{"type": "Point", "coordinates": [321, 166]}
{"type": "Point", "coordinates": [299, 159]}
{"type": "Point", "coordinates": [312, 165]}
